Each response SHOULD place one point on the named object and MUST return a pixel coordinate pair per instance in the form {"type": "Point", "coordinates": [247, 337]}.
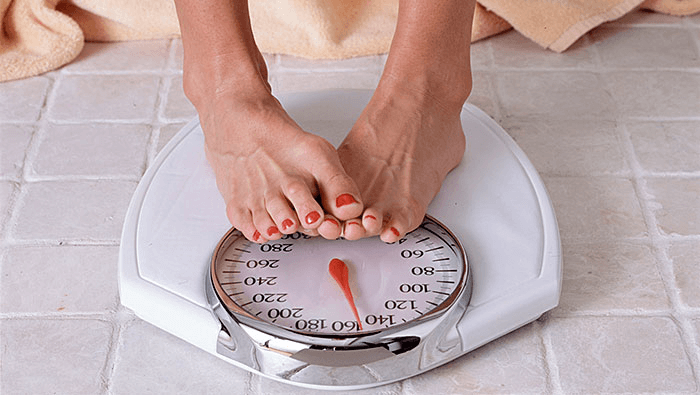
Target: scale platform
{"type": "Point", "coordinates": [494, 202]}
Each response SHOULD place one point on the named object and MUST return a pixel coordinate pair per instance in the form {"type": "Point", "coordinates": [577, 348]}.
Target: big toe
{"type": "Point", "coordinates": [340, 195]}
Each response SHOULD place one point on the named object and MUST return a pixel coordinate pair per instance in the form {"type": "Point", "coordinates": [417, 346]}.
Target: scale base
{"type": "Point", "coordinates": [494, 202]}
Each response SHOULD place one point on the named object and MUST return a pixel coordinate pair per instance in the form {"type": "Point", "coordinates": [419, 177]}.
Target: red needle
{"type": "Point", "coordinates": [339, 271]}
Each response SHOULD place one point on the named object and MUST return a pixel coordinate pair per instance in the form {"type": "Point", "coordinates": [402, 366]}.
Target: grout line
{"type": "Point", "coordinates": [31, 153]}
{"type": "Point", "coordinates": [595, 69]}
{"type": "Point", "coordinates": [694, 33]}
{"type": "Point", "coordinates": [102, 316]}
{"type": "Point", "coordinates": [680, 238]}
{"type": "Point", "coordinates": [62, 242]}
{"type": "Point", "coordinates": [5, 220]}
{"type": "Point", "coordinates": [170, 61]}
{"type": "Point", "coordinates": [671, 174]}
{"type": "Point", "coordinates": [82, 177]}
{"type": "Point", "coordinates": [498, 113]}
{"type": "Point", "coordinates": [684, 118]}
{"type": "Point", "coordinates": [491, 56]}
{"type": "Point", "coordinates": [152, 147]}
{"type": "Point", "coordinates": [620, 313]}
{"type": "Point", "coordinates": [121, 320]}
{"type": "Point", "coordinates": [151, 72]}
{"type": "Point", "coordinates": [597, 59]}
{"type": "Point", "coordinates": [159, 118]}
{"type": "Point", "coordinates": [550, 360]}
{"type": "Point", "coordinates": [116, 121]}
{"type": "Point", "coordinates": [660, 246]}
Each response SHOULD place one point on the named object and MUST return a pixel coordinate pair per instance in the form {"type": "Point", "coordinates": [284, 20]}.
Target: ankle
{"type": "Point", "coordinates": [447, 88]}
{"type": "Point", "coordinates": [204, 82]}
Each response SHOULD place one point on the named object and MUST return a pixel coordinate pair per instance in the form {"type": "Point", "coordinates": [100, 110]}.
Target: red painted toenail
{"type": "Point", "coordinates": [395, 231]}
{"type": "Point", "coordinates": [344, 199]}
{"type": "Point", "coordinates": [312, 217]}
{"type": "Point", "coordinates": [371, 217]}
{"type": "Point", "coordinates": [331, 220]}
{"type": "Point", "coordinates": [287, 223]}
{"type": "Point", "coordinates": [354, 223]}
{"type": "Point", "coordinates": [272, 230]}
{"type": "Point", "coordinates": [256, 235]}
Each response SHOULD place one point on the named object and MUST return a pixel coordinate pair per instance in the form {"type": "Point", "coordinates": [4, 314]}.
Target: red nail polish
{"type": "Point", "coordinates": [287, 223]}
{"type": "Point", "coordinates": [272, 230]}
{"type": "Point", "coordinates": [371, 217]}
{"type": "Point", "coordinates": [344, 199]}
{"type": "Point", "coordinates": [256, 235]}
{"type": "Point", "coordinates": [395, 231]}
{"type": "Point", "coordinates": [312, 217]}
{"type": "Point", "coordinates": [354, 223]}
{"type": "Point", "coordinates": [331, 220]}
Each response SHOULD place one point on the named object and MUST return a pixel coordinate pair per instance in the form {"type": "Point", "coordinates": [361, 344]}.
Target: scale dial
{"type": "Point", "coordinates": [316, 287]}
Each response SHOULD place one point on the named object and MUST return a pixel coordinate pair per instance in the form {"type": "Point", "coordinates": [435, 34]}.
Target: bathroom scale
{"type": "Point", "coordinates": [339, 314]}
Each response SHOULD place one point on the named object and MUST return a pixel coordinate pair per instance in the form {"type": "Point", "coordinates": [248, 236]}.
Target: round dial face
{"type": "Point", "coordinates": [314, 286]}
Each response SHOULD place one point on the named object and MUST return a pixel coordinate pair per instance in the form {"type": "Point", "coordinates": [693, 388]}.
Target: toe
{"type": "Point", "coordinates": [265, 225]}
{"type": "Point", "coordinates": [330, 228]}
{"type": "Point", "coordinates": [353, 229]}
{"type": "Point", "coordinates": [242, 220]}
{"type": "Point", "coordinates": [282, 214]}
{"type": "Point", "coordinates": [391, 233]}
{"type": "Point", "coordinates": [308, 211]}
{"type": "Point", "coordinates": [309, 232]}
{"type": "Point", "coordinates": [401, 221]}
{"type": "Point", "coordinates": [372, 221]}
{"type": "Point", "coordinates": [339, 193]}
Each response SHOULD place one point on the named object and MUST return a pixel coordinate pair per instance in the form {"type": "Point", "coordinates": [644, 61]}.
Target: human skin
{"type": "Point", "coordinates": [389, 167]}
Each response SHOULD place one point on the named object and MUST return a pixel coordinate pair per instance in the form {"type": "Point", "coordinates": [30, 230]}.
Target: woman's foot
{"type": "Point", "coordinates": [271, 172]}
{"type": "Point", "coordinates": [399, 152]}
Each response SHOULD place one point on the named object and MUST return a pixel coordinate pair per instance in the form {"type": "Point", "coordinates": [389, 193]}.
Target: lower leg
{"type": "Point", "coordinates": [268, 170]}
{"type": "Point", "coordinates": [410, 136]}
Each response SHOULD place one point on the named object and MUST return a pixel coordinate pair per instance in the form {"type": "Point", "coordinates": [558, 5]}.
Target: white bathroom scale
{"type": "Point", "coordinates": [485, 261]}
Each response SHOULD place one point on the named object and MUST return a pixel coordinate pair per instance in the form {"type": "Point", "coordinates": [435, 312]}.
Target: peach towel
{"type": "Point", "coordinates": [41, 35]}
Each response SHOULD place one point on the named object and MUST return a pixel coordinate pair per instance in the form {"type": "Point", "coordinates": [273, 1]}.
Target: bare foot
{"type": "Point", "coordinates": [399, 152]}
{"type": "Point", "coordinates": [270, 171]}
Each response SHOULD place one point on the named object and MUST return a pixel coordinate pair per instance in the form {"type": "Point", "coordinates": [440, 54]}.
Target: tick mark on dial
{"type": "Point", "coordinates": [233, 260]}
{"type": "Point", "coordinates": [422, 240]}
{"type": "Point", "coordinates": [436, 248]}
{"type": "Point", "coordinates": [241, 250]}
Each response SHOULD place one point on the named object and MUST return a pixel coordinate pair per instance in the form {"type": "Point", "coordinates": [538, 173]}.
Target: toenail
{"type": "Point", "coordinates": [256, 235]}
{"type": "Point", "coordinates": [395, 231]}
{"type": "Point", "coordinates": [312, 217]}
{"type": "Point", "coordinates": [344, 199]}
{"type": "Point", "coordinates": [371, 217]}
{"type": "Point", "coordinates": [331, 220]}
{"type": "Point", "coordinates": [354, 223]}
{"type": "Point", "coordinates": [272, 230]}
{"type": "Point", "coordinates": [287, 223]}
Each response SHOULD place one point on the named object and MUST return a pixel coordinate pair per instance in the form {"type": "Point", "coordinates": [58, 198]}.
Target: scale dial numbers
{"type": "Point", "coordinates": [294, 283]}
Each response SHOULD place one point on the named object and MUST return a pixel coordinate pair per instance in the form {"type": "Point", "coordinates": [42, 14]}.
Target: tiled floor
{"type": "Point", "coordinates": [613, 125]}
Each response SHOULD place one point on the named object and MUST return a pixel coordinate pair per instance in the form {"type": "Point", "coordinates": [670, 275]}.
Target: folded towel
{"type": "Point", "coordinates": [39, 35]}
